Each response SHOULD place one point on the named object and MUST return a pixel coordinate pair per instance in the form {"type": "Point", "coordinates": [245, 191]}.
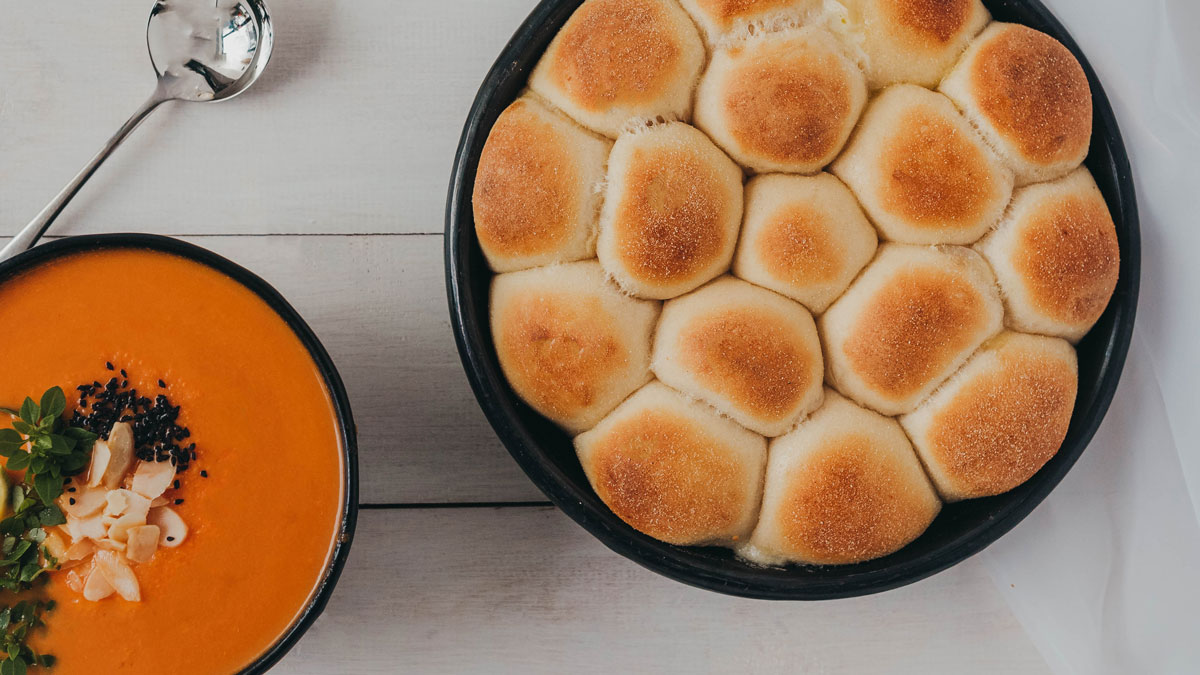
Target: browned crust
{"type": "Point", "coordinates": [724, 13]}
{"type": "Point", "coordinates": [560, 351]}
{"type": "Point", "coordinates": [753, 357]}
{"type": "Point", "coordinates": [1031, 88]}
{"type": "Point", "coordinates": [788, 102]}
{"type": "Point", "coordinates": [931, 24]}
{"type": "Point", "coordinates": [797, 245]}
{"type": "Point", "coordinates": [671, 222]}
{"type": "Point", "coordinates": [848, 503]}
{"type": "Point", "coordinates": [668, 478]}
{"type": "Point", "coordinates": [1002, 427]}
{"type": "Point", "coordinates": [932, 174]}
{"type": "Point", "coordinates": [1067, 253]}
{"type": "Point", "coordinates": [527, 191]}
{"type": "Point", "coordinates": [617, 52]}
{"type": "Point", "coordinates": [912, 328]}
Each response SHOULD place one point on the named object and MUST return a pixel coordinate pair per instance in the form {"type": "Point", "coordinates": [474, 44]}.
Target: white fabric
{"type": "Point", "coordinates": [1105, 575]}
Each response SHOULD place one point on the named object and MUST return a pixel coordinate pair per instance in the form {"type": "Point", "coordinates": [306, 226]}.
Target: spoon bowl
{"type": "Point", "coordinates": [203, 52]}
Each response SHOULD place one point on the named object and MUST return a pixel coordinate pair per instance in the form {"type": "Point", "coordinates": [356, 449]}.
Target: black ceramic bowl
{"type": "Point", "coordinates": [546, 453]}
{"type": "Point", "coordinates": [333, 382]}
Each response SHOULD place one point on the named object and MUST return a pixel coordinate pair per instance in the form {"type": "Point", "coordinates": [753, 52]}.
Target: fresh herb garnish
{"type": "Point", "coordinates": [48, 452]}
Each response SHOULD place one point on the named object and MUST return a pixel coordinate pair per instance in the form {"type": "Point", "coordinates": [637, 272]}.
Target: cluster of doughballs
{"type": "Point", "coordinates": [795, 273]}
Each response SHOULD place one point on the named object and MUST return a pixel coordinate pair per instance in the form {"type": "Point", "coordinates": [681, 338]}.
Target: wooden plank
{"type": "Point", "coordinates": [378, 304]}
{"type": "Point", "coordinates": [525, 590]}
{"type": "Point", "coordinates": [352, 128]}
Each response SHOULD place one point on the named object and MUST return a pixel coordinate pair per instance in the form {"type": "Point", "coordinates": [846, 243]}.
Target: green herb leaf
{"type": "Point", "coordinates": [19, 461]}
{"type": "Point", "coordinates": [30, 412]}
{"type": "Point", "coordinates": [48, 487]}
{"type": "Point", "coordinates": [54, 402]}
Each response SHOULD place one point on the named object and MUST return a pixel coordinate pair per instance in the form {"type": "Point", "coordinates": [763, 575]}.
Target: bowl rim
{"type": "Point", "coordinates": [58, 247]}
{"type": "Point", "coordinates": [515, 60]}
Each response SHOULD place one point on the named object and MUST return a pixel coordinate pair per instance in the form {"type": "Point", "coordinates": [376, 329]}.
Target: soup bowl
{"type": "Point", "coordinates": [342, 422]}
{"type": "Point", "coordinates": [546, 453]}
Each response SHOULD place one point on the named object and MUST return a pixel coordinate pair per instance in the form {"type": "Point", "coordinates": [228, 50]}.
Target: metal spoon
{"type": "Point", "coordinates": [202, 50]}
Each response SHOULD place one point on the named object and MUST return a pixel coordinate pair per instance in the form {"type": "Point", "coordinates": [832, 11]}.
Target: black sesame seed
{"type": "Point", "coordinates": [176, 484]}
{"type": "Point", "coordinates": [123, 373]}
{"type": "Point", "coordinates": [108, 364]}
{"type": "Point", "coordinates": [178, 502]}
{"type": "Point", "coordinates": [170, 538]}
{"type": "Point", "coordinates": [70, 489]}
{"type": "Point", "coordinates": [204, 474]}
{"type": "Point", "coordinates": [72, 501]}
{"type": "Point", "coordinates": [162, 384]}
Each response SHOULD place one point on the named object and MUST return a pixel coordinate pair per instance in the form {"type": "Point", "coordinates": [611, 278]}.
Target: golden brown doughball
{"type": "Point", "coordinates": [844, 487]}
{"type": "Point", "coordinates": [783, 101]}
{"type": "Point", "coordinates": [671, 217]}
{"type": "Point", "coordinates": [569, 342]}
{"type": "Point", "coordinates": [923, 175]}
{"type": "Point", "coordinates": [618, 62]}
{"type": "Point", "coordinates": [999, 419]}
{"type": "Point", "coordinates": [909, 321]}
{"type": "Point", "coordinates": [748, 352]}
{"type": "Point", "coordinates": [674, 469]}
{"type": "Point", "coordinates": [1029, 96]}
{"type": "Point", "coordinates": [1056, 256]}
{"type": "Point", "coordinates": [914, 41]}
{"type": "Point", "coordinates": [803, 236]}
{"type": "Point", "coordinates": [537, 198]}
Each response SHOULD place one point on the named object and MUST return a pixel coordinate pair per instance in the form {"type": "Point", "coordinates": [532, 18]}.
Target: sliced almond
{"type": "Point", "coordinates": [97, 587]}
{"type": "Point", "coordinates": [92, 527]}
{"type": "Point", "coordinates": [80, 550]}
{"type": "Point", "coordinates": [83, 502]}
{"type": "Point", "coordinates": [75, 581]}
{"type": "Point", "coordinates": [172, 528]}
{"type": "Point", "coordinates": [142, 543]}
{"type": "Point", "coordinates": [55, 546]}
{"type": "Point", "coordinates": [119, 574]}
{"type": "Point", "coordinates": [101, 457]}
{"type": "Point", "coordinates": [115, 502]}
{"type": "Point", "coordinates": [119, 531]}
{"type": "Point", "coordinates": [159, 501]}
{"type": "Point", "coordinates": [110, 545]}
{"type": "Point", "coordinates": [120, 445]}
{"type": "Point", "coordinates": [153, 478]}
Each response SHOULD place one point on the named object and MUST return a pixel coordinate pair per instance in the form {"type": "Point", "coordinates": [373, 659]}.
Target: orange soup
{"type": "Point", "coordinates": [264, 516]}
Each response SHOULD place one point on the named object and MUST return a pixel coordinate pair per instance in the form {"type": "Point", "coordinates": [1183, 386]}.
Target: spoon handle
{"type": "Point", "coordinates": [29, 235]}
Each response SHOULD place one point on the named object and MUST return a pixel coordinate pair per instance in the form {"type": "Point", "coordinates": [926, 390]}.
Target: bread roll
{"type": "Point", "coordinates": [1029, 96]}
{"type": "Point", "coordinates": [1056, 256]}
{"type": "Point", "coordinates": [674, 469]}
{"type": "Point", "coordinates": [842, 488]}
{"type": "Point", "coordinates": [999, 419]}
{"type": "Point", "coordinates": [720, 18]}
{"type": "Point", "coordinates": [750, 353]}
{"type": "Point", "coordinates": [671, 217]}
{"type": "Point", "coordinates": [915, 41]}
{"type": "Point", "coordinates": [922, 173]}
{"type": "Point", "coordinates": [906, 324]}
{"type": "Point", "coordinates": [781, 101]}
{"type": "Point", "coordinates": [537, 196]}
{"type": "Point", "coordinates": [569, 342]}
{"type": "Point", "coordinates": [804, 237]}
{"type": "Point", "coordinates": [621, 62]}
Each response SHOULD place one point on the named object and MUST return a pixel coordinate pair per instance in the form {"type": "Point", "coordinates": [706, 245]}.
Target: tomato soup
{"type": "Point", "coordinates": [264, 516]}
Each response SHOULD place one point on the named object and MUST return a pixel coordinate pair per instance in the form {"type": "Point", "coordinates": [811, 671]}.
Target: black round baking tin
{"type": "Point", "coordinates": [546, 454]}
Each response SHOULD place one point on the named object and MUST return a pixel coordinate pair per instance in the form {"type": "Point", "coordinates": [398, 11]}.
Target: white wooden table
{"type": "Point", "coordinates": [331, 176]}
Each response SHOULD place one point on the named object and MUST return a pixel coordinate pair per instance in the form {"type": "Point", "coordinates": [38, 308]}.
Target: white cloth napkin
{"type": "Point", "coordinates": [1105, 575]}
